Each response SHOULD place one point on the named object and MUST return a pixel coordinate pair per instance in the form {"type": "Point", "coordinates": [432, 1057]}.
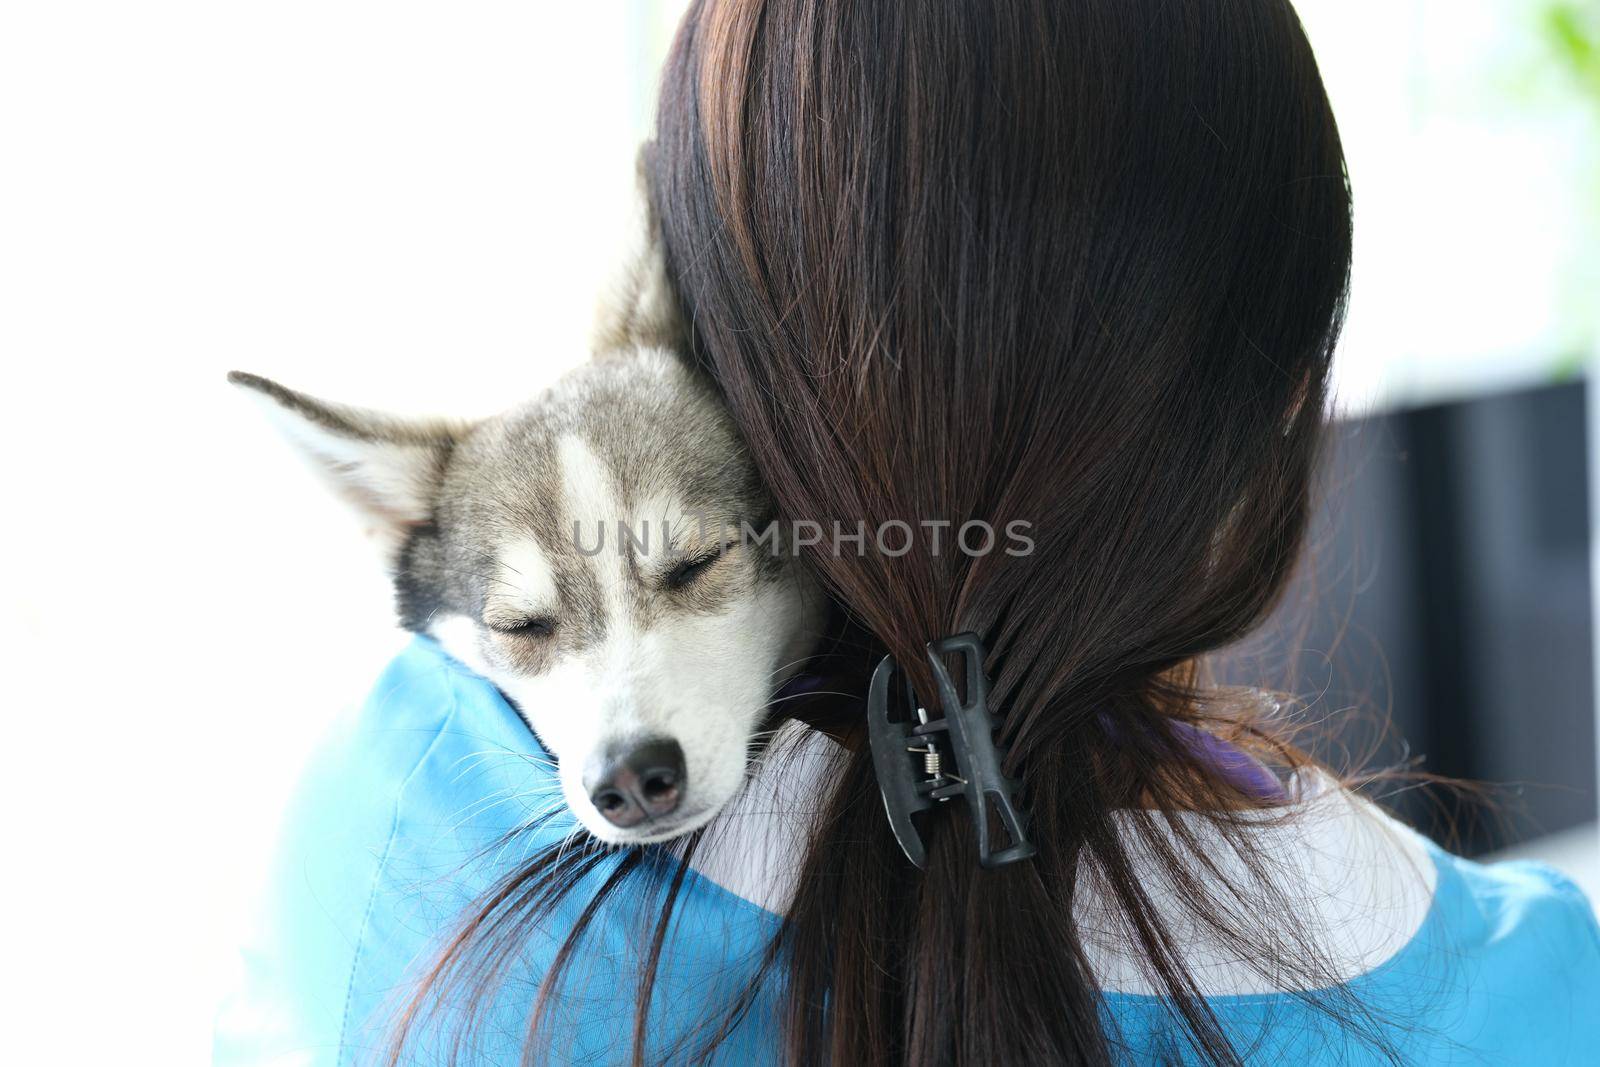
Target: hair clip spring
{"type": "Point", "coordinates": [921, 762]}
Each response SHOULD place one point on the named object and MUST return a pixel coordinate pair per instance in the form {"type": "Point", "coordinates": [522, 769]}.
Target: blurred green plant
{"type": "Point", "coordinates": [1573, 29]}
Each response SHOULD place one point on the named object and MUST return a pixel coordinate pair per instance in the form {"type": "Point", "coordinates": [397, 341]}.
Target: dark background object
{"type": "Point", "coordinates": [1444, 612]}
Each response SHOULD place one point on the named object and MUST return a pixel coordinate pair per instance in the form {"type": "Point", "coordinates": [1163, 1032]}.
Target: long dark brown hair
{"type": "Point", "coordinates": [1074, 263]}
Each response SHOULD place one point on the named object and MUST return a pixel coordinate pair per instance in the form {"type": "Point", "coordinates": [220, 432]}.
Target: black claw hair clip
{"type": "Point", "coordinates": [913, 755]}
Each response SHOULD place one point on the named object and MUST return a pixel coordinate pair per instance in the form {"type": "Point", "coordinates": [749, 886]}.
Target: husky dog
{"type": "Point", "coordinates": [645, 667]}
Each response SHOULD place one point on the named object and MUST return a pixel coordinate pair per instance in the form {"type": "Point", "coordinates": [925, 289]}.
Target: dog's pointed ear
{"type": "Point", "coordinates": [387, 468]}
{"type": "Point", "coordinates": [639, 309]}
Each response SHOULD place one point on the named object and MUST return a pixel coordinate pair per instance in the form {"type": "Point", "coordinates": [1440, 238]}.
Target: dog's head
{"type": "Point", "coordinates": [590, 553]}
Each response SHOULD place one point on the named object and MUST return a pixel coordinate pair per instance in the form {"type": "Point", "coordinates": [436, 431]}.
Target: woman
{"type": "Point", "coordinates": [1075, 264]}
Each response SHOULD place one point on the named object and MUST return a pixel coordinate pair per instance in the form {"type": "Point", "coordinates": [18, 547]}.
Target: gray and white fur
{"type": "Point", "coordinates": [645, 668]}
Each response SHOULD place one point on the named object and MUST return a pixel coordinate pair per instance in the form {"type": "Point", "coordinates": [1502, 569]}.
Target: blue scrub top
{"type": "Point", "coordinates": [401, 818]}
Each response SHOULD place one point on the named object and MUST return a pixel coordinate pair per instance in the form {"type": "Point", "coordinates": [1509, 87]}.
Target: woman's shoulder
{"type": "Point", "coordinates": [1433, 958]}
{"type": "Point", "coordinates": [1509, 963]}
{"type": "Point", "coordinates": [430, 740]}
{"type": "Point", "coordinates": [412, 775]}
{"type": "Point", "coordinates": [1496, 899]}
{"type": "Point", "coordinates": [377, 854]}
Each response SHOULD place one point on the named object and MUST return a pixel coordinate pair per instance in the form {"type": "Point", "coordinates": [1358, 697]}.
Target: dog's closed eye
{"type": "Point", "coordinates": [530, 626]}
{"type": "Point", "coordinates": [688, 571]}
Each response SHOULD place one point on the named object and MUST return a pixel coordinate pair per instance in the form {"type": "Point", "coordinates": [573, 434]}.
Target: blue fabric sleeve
{"type": "Point", "coordinates": [300, 993]}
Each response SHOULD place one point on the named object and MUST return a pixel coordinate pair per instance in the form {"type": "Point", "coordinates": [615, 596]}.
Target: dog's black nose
{"type": "Point", "coordinates": [636, 783]}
